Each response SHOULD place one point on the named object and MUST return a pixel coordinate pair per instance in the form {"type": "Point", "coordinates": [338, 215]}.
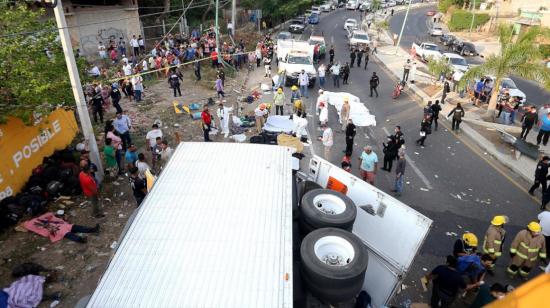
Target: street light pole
{"type": "Point", "coordinates": [403, 27]}
{"type": "Point", "coordinates": [217, 31]}
{"type": "Point", "coordinates": [233, 16]}
{"type": "Point", "coordinates": [81, 108]}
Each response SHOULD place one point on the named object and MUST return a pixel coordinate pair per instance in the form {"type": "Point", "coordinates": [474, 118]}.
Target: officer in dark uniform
{"type": "Point", "coordinates": [540, 175]}
{"type": "Point", "coordinates": [374, 82]}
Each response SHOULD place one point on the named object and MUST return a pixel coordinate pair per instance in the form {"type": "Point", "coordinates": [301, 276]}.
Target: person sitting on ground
{"type": "Point", "coordinates": [54, 227]}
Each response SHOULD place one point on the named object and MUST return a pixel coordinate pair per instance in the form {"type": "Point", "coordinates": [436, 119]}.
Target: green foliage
{"type": "Point", "coordinates": [277, 9]}
{"type": "Point", "coordinates": [461, 20]}
{"type": "Point", "coordinates": [436, 67]}
{"type": "Point", "coordinates": [29, 80]}
{"type": "Point", "coordinates": [444, 5]}
{"type": "Point", "coordinates": [544, 51]}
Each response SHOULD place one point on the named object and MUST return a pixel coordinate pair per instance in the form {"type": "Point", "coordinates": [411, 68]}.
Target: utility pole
{"type": "Point", "coordinates": [217, 31]}
{"type": "Point", "coordinates": [402, 27]}
{"type": "Point", "coordinates": [233, 16]}
{"type": "Point", "coordinates": [473, 17]}
{"type": "Point", "coordinates": [83, 114]}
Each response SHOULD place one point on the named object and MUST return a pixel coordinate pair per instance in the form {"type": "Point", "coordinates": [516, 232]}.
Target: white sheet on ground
{"type": "Point", "coordinates": [277, 123]}
{"type": "Point", "coordinates": [359, 114]}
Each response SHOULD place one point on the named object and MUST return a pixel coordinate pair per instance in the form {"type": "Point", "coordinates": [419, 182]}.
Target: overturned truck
{"type": "Point", "coordinates": [235, 225]}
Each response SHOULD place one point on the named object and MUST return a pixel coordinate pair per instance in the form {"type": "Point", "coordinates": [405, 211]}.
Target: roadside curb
{"type": "Point", "coordinates": [479, 139]}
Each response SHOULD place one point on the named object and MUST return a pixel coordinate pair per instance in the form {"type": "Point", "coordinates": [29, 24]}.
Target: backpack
{"type": "Point", "coordinates": [457, 115]}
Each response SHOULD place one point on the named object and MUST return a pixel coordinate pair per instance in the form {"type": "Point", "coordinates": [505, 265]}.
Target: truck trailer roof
{"type": "Point", "coordinates": [215, 231]}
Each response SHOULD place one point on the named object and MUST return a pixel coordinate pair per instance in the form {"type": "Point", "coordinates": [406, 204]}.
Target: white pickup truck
{"type": "Point", "coordinates": [252, 231]}
{"type": "Point", "coordinates": [426, 50]}
{"type": "Point", "coordinates": [294, 56]}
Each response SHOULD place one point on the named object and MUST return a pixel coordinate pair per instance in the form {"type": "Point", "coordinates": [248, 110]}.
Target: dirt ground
{"type": "Point", "coordinates": [80, 265]}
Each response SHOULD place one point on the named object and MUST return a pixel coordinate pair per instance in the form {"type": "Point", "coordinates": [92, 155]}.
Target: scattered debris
{"type": "Point", "coordinates": [424, 269]}
{"type": "Point", "coordinates": [90, 268]}
{"type": "Point", "coordinates": [54, 303]}
{"type": "Point", "coordinates": [485, 153]}
{"type": "Point", "coordinates": [83, 204]}
{"type": "Point", "coordinates": [408, 183]}
{"type": "Point", "coordinates": [60, 267]}
{"type": "Point", "coordinates": [459, 226]}
{"type": "Point", "coordinates": [114, 244]}
{"type": "Point", "coordinates": [424, 189]}
{"type": "Point", "coordinates": [416, 153]}
{"type": "Point", "coordinates": [436, 176]}
{"type": "Point", "coordinates": [120, 215]}
{"type": "Point", "coordinates": [107, 199]}
{"type": "Point", "coordinates": [116, 183]}
{"type": "Point", "coordinates": [451, 234]}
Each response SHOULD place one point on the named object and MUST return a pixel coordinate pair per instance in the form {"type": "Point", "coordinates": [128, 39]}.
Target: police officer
{"type": "Point", "coordinates": [352, 57]}
{"type": "Point", "coordinates": [374, 82]}
{"type": "Point", "coordinates": [331, 54]}
{"type": "Point", "coordinates": [540, 175]}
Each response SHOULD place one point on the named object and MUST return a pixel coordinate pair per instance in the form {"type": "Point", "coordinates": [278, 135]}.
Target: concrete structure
{"type": "Point", "coordinates": [91, 22]}
{"type": "Point", "coordinates": [524, 13]}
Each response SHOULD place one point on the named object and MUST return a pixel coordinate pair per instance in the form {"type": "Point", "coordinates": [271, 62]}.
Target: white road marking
{"type": "Point", "coordinates": [413, 166]}
{"type": "Point", "coordinates": [335, 26]}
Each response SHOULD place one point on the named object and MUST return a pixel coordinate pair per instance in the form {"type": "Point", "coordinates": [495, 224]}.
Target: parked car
{"type": "Point", "coordinates": [350, 24]}
{"type": "Point", "coordinates": [325, 7]}
{"type": "Point", "coordinates": [297, 25]}
{"type": "Point", "coordinates": [436, 30]}
{"type": "Point", "coordinates": [457, 62]}
{"type": "Point", "coordinates": [318, 40]}
{"type": "Point", "coordinates": [447, 39]}
{"type": "Point", "coordinates": [391, 3]}
{"type": "Point", "coordinates": [313, 19]}
{"type": "Point", "coordinates": [365, 6]}
{"type": "Point", "coordinates": [513, 89]}
{"type": "Point", "coordinates": [316, 10]}
{"type": "Point", "coordinates": [352, 5]}
{"type": "Point", "coordinates": [430, 13]}
{"type": "Point", "coordinates": [465, 48]}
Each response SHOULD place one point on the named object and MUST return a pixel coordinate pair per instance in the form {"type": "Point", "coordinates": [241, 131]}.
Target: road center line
{"type": "Point", "coordinates": [413, 166]}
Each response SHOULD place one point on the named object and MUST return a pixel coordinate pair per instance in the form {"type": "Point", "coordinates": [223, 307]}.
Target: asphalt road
{"type": "Point", "coordinates": [450, 180]}
{"type": "Point", "coordinates": [417, 26]}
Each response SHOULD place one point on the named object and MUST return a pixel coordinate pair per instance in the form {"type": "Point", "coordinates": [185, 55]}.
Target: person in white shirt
{"type": "Point", "coordinates": [259, 114]}
{"type": "Point", "coordinates": [335, 71]}
{"type": "Point", "coordinates": [127, 68]}
{"type": "Point", "coordinates": [303, 81]}
{"type": "Point", "coordinates": [544, 221]}
{"type": "Point", "coordinates": [323, 113]}
{"type": "Point", "coordinates": [142, 165]}
{"type": "Point", "coordinates": [322, 71]}
{"type": "Point", "coordinates": [224, 113]}
{"type": "Point", "coordinates": [166, 152]}
{"type": "Point", "coordinates": [320, 99]}
{"type": "Point", "coordinates": [94, 71]}
{"type": "Point", "coordinates": [145, 68]}
{"type": "Point", "coordinates": [152, 135]}
{"type": "Point", "coordinates": [457, 76]}
{"type": "Point", "coordinates": [124, 59]}
{"type": "Point", "coordinates": [327, 140]}
{"type": "Point", "coordinates": [137, 83]}
{"type": "Point", "coordinates": [102, 50]}
{"type": "Point", "coordinates": [412, 76]}
{"type": "Point", "coordinates": [141, 43]}
{"type": "Point", "coordinates": [135, 45]}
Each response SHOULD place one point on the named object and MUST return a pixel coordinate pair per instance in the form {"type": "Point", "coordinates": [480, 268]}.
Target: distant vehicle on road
{"type": "Point", "coordinates": [426, 50]}
{"type": "Point", "coordinates": [284, 35]}
{"type": "Point", "coordinates": [457, 62]}
{"type": "Point", "coordinates": [430, 13]}
{"type": "Point", "coordinates": [313, 19]}
{"type": "Point", "coordinates": [391, 3]}
{"type": "Point", "coordinates": [316, 10]}
{"type": "Point", "coordinates": [358, 38]}
{"type": "Point", "coordinates": [325, 7]}
{"type": "Point", "coordinates": [297, 25]}
{"type": "Point", "coordinates": [436, 30]}
{"type": "Point", "coordinates": [465, 48]}
{"type": "Point", "coordinates": [350, 24]}
{"type": "Point", "coordinates": [318, 40]}
{"type": "Point", "coordinates": [352, 5]}
{"type": "Point", "coordinates": [447, 39]}
{"type": "Point", "coordinates": [365, 6]}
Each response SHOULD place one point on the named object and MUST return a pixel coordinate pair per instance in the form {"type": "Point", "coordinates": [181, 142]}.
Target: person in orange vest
{"type": "Point", "coordinates": [214, 56]}
{"type": "Point", "coordinates": [492, 243]}
{"type": "Point", "coordinates": [527, 247]}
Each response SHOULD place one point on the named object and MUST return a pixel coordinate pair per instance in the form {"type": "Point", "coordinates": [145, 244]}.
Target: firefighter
{"type": "Point", "coordinates": [527, 247]}
{"type": "Point", "coordinates": [492, 243]}
{"type": "Point", "coordinates": [465, 246]}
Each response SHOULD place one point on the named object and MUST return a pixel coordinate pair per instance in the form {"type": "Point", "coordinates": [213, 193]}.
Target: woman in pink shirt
{"type": "Point", "coordinates": [116, 143]}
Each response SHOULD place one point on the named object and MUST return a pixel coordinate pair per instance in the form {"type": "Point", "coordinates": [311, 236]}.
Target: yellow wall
{"type": "Point", "coordinates": [24, 147]}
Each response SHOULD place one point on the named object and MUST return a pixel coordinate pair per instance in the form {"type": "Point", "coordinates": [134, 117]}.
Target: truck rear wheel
{"type": "Point", "coordinates": [325, 208]}
{"type": "Point", "coordinates": [334, 263]}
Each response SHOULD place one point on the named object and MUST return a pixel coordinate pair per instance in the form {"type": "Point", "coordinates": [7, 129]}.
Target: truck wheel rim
{"type": "Point", "coordinates": [334, 251]}
{"type": "Point", "coordinates": [329, 204]}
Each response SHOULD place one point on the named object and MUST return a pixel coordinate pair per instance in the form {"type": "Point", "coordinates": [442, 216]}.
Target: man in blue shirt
{"type": "Point", "coordinates": [544, 131]}
{"type": "Point", "coordinates": [131, 156]}
{"type": "Point", "coordinates": [123, 124]}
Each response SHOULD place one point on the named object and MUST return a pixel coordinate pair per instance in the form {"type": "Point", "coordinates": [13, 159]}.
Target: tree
{"type": "Point", "coordinates": [375, 6]}
{"type": "Point", "coordinates": [33, 74]}
{"type": "Point", "coordinates": [518, 56]}
{"type": "Point", "coordinates": [437, 67]}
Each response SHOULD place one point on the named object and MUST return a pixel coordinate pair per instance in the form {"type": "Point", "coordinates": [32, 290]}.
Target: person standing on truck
{"type": "Point", "coordinates": [327, 139]}
{"type": "Point", "coordinates": [374, 82]}
{"type": "Point", "coordinates": [457, 113]}
{"type": "Point", "coordinates": [368, 164]}
{"type": "Point", "coordinates": [528, 246]}
{"type": "Point", "coordinates": [352, 56]}
{"type": "Point", "coordinates": [351, 130]}
{"type": "Point", "coordinates": [447, 281]}
{"type": "Point", "coordinates": [492, 242]}
{"type": "Point", "coordinates": [303, 80]}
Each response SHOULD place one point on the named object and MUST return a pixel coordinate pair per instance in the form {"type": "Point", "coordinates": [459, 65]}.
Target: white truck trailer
{"type": "Point", "coordinates": [217, 230]}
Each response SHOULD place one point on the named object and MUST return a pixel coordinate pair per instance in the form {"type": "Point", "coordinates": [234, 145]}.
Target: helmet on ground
{"type": "Point", "coordinates": [294, 88]}
{"type": "Point", "coordinates": [534, 226]}
{"type": "Point", "coordinates": [280, 90]}
{"type": "Point", "coordinates": [499, 220]}
{"type": "Point", "coordinates": [470, 239]}
{"type": "Point", "coordinates": [262, 106]}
